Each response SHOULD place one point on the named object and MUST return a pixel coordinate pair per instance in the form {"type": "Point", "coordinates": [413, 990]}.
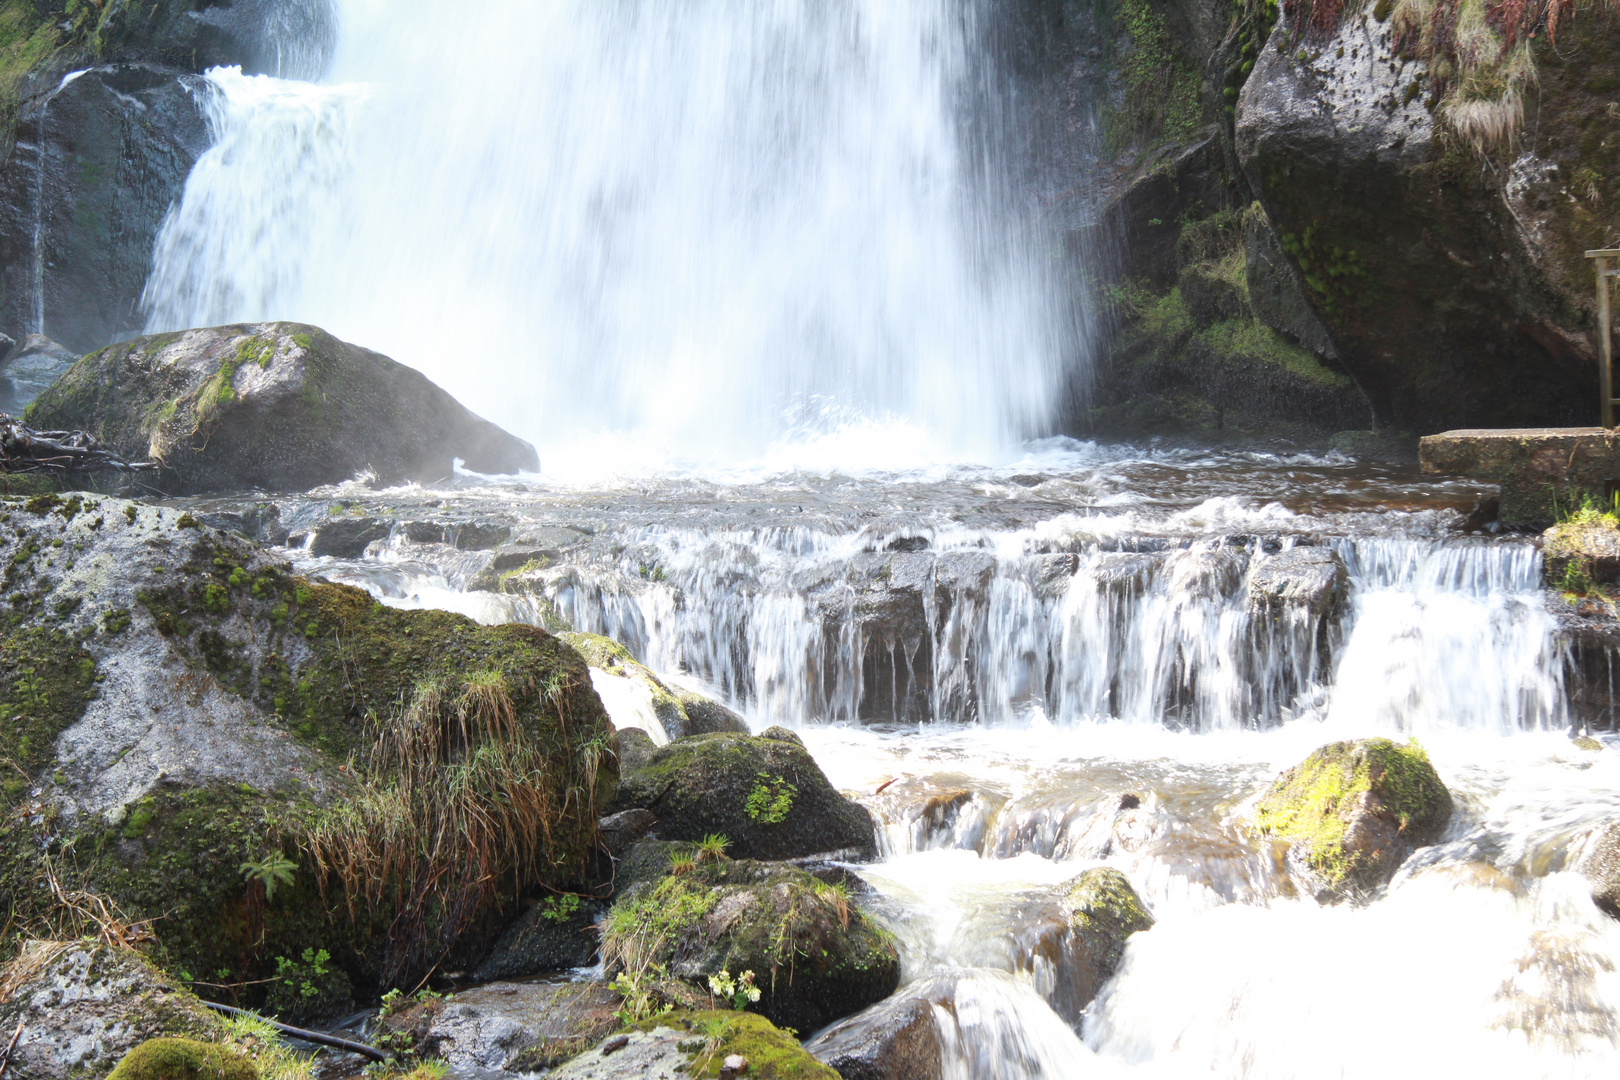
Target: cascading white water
{"type": "Point", "coordinates": [778, 621]}
{"type": "Point", "coordinates": [704, 228]}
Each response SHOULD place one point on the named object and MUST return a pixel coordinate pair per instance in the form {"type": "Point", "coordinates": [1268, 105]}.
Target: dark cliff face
{"type": "Point", "coordinates": [89, 165]}
{"type": "Point", "coordinates": [1451, 276]}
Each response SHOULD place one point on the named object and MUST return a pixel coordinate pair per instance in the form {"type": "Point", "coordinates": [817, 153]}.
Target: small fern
{"type": "Point", "coordinates": [274, 870]}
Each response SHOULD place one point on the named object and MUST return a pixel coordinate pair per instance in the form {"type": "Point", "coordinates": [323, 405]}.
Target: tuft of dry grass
{"type": "Point", "coordinates": [460, 802]}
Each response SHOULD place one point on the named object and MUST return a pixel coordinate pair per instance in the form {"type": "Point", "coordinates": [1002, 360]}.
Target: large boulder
{"type": "Point", "coordinates": [675, 712]}
{"type": "Point", "coordinates": [1441, 248]}
{"type": "Point", "coordinates": [814, 955]}
{"type": "Point", "coordinates": [184, 710]}
{"type": "Point", "coordinates": [1352, 812]}
{"type": "Point", "coordinates": [555, 934]}
{"type": "Point", "coordinates": [78, 1007]}
{"type": "Point", "coordinates": [271, 405]}
{"type": "Point", "coordinates": [764, 793]}
{"type": "Point", "coordinates": [1103, 911]}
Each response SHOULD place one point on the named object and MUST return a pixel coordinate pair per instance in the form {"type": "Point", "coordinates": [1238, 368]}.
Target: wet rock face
{"type": "Point", "coordinates": [1579, 555]}
{"type": "Point", "coordinates": [764, 793]}
{"type": "Point", "coordinates": [1352, 812]}
{"type": "Point", "coordinates": [815, 956]}
{"type": "Point", "coordinates": [97, 164]}
{"type": "Point", "coordinates": [1104, 911]}
{"type": "Point", "coordinates": [1601, 866]}
{"type": "Point", "coordinates": [896, 1039]}
{"type": "Point", "coordinates": [513, 1027]}
{"type": "Point", "coordinates": [291, 39]}
{"type": "Point", "coordinates": [88, 1006]}
{"type": "Point", "coordinates": [1454, 287]}
{"type": "Point", "coordinates": [555, 934]}
{"type": "Point", "coordinates": [1312, 579]}
{"type": "Point", "coordinates": [277, 406]}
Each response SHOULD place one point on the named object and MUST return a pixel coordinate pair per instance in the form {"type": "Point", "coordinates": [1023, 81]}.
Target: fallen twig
{"type": "Point", "coordinates": [5, 1058]}
{"type": "Point", "coordinates": [320, 1037]}
{"type": "Point", "coordinates": [24, 450]}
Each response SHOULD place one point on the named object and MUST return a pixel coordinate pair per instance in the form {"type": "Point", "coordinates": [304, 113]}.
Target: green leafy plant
{"type": "Point", "coordinates": [739, 993]}
{"type": "Point", "coordinates": [302, 977]}
{"type": "Point", "coordinates": [682, 864]}
{"type": "Point", "coordinates": [273, 871]}
{"type": "Point", "coordinates": [641, 1000]}
{"type": "Point", "coordinates": [559, 909]}
{"type": "Point", "coordinates": [771, 799]}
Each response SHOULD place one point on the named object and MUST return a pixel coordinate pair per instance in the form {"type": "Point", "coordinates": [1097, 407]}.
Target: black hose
{"type": "Point", "coordinates": [308, 1036]}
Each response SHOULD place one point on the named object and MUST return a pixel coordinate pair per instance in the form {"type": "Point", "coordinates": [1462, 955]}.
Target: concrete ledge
{"type": "Point", "coordinates": [1537, 467]}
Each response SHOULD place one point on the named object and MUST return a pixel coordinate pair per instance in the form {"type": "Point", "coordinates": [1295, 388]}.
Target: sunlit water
{"type": "Point", "coordinates": [653, 231]}
{"type": "Point", "coordinates": [1050, 695]}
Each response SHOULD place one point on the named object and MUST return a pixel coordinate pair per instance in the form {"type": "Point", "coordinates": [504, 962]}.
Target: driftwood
{"type": "Point", "coordinates": [24, 450]}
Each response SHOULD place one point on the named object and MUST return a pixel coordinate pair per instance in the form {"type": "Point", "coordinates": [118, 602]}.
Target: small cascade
{"type": "Point", "coordinates": [41, 159]}
{"type": "Point", "coordinates": [1224, 633]}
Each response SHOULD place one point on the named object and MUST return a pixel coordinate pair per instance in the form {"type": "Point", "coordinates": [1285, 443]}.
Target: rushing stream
{"type": "Point", "coordinates": [744, 275]}
{"type": "Point", "coordinates": [1071, 669]}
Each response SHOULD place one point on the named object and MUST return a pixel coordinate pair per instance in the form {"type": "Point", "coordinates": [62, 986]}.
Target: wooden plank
{"type": "Point", "coordinates": [1604, 253]}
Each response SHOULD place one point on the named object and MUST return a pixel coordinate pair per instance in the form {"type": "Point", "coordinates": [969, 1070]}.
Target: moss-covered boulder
{"type": "Point", "coordinates": [676, 711]}
{"type": "Point", "coordinates": [1103, 911]}
{"type": "Point", "coordinates": [277, 406]}
{"type": "Point", "coordinates": [815, 957]}
{"type": "Point", "coordinates": [764, 793]}
{"type": "Point", "coordinates": [184, 1059]}
{"type": "Point", "coordinates": [79, 1007]}
{"type": "Point", "coordinates": [272, 768]}
{"type": "Point", "coordinates": [695, 1043]}
{"type": "Point", "coordinates": [1352, 812]}
{"type": "Point", "coordinates": [1582, 553]}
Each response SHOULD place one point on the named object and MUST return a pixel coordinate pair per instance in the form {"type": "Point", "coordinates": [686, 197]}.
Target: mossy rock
{"type": "Point", "coordinates": [1579, 555]}
{"type": "Point", "coordinates": [815, 956]}
{"type": "Point", "coordinates": [695, 1043]}
{"type": "Point", "coordinates": [1352, 812]}
{"type": "Point", "coordinates": [82, 1006]}
{"type": "Point", "coordinates": [681, 712]}
{"type": "Point", "coordinates": [184, 1059]}
{"type": "Point", "coordinates": [271, 406]}
{"type": "Point", "coordinates": [764, 793]}
{"type": "Point", "coordinates": [276, 697]}
{"type": "Point", "coordinates": [1104, 910]}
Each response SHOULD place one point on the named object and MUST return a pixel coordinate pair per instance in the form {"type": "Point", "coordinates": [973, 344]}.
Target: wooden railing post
{"type": "Point", "coordinates": [1604, 257]}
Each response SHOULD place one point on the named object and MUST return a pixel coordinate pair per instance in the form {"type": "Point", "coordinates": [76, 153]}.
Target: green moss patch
{"type": "Point", "coordinates": [184, 1059]}
{"type": "Point", "coordinates": [1331, 807]}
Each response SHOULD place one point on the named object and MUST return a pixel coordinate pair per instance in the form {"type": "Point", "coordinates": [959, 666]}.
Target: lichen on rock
{"type": "Point", "coordinates": [1352, 812]}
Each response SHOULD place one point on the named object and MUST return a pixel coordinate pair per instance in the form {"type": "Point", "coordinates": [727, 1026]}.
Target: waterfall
{"type": "Point", "coordinates": [806, 626]}
{"type": "Point", "coordinates": [670, 229]}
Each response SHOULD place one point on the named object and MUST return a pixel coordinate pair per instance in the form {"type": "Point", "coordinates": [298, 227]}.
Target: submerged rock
{"type": "Point", "coordinates": [1352, 812]}
{"type": "Point", "coordinates": [764, 793]}
{"type": "Point", "coordinates": [277, 406]}
{"type": "Point", "coordinates": [679, 712]}
{"type": "Point", "coordinates": [1311, 579]}
{"type": "Point", "coordinates": [814, 955]}
{"type": "Point", "coordinates": [82, 1006]}
{"type": "Point", "coordinates": [184, 709]}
